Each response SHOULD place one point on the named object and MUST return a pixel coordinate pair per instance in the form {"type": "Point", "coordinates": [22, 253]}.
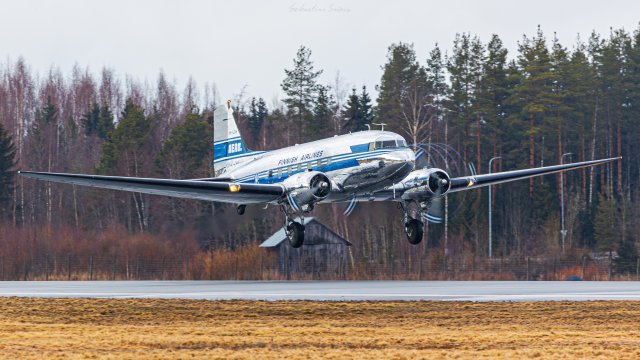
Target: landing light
{"type": "Point", "coordinates": [234, 187]}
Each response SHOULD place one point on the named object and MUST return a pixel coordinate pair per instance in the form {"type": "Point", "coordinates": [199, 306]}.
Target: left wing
{"type": "Point", "coordinates": [473, 182]}
{"type": "Point", "coordinates": [221, 191]}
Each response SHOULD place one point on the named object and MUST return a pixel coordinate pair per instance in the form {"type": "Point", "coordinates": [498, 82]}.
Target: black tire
{"type": "Point", "coordinates": [240, 209]}
{"type": "Point", "coordinates": [295, 234]}
{"type": "Point", "coordinates": [415, 230]}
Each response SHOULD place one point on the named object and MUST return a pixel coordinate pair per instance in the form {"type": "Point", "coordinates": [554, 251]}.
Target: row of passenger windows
{"type": "Point", "coordinates": [387, 144]}
{"type": "Point", "coordinates": [300, 167]}
{"type": "Point", "coordinates": [306, 166]}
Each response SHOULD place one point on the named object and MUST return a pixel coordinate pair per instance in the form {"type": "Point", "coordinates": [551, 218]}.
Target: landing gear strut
{"type": "Point", "coordinates": [293, 229]}
{"type": "Point", "coordinates": [413, 227]}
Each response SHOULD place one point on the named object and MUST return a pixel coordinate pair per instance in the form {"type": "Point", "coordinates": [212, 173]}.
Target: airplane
{"type": "Point", "coordinates": [371, 165]}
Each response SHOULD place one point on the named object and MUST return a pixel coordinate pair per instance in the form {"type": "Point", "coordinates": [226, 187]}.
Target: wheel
{"type": "Point", "coordinates": [240, 209]}
{"type": "Point", "coordinates": [414, 229]}
{"type": "Point", "coordinates": [295, 234]}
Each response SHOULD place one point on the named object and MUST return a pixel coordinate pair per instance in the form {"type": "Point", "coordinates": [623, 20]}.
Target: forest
{"type": "Point", "coordinates": [546, 104]}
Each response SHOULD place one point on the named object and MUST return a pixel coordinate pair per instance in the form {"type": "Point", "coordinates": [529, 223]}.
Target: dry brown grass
{"type": "Point", "coordinates": [96, 328]}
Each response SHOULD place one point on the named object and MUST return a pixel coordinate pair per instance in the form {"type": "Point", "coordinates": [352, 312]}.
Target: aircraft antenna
{"type": "Point", "coordinates": [368, 127]}
{"type": "Point", "coordinates": [381, 126]}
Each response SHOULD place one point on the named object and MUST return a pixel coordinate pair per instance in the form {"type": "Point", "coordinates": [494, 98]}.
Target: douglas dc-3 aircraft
{"type": "Point", "coordinates": [362, 166]}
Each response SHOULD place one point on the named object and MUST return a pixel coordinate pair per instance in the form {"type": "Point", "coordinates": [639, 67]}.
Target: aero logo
{"type": "Point", "coordinates": [235, 147]}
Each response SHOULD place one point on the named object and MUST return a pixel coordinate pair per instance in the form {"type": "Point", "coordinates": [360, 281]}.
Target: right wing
{"type": "Point", "coordinates": [220, 191]}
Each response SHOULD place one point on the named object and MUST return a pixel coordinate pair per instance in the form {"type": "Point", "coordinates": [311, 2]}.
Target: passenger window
{"type": "Point", "coordinates": [372, 146]}
{"type": "Point", "coordinates": [318, 163]}
{"type": "Point", "coordinates": [279, 172]}
{"type": "Point", "coordinates": [299, 167]}
{"type": "Point", "coordinates": [328, 161]}
{"type": "Point", "coordinates": [378, 144]}
{"type": "Point", "coordinates": [401, 143]}
{"type": "Point", "coordinates": [290, 170]}
{"type": "Point", "coordinates": [389, 143]}
{"type": "Point", "coordinates": [270, 173]}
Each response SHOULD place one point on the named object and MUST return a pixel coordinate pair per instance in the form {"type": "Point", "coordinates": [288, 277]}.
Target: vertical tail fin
{"type": "Point", "coordinates": [228, 147]}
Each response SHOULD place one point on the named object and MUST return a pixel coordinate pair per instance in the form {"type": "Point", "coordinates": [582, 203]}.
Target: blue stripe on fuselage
{"type": "Point", "coordinates": [338, 162]}
{"type": "Point", "coordinates": [325, 166]}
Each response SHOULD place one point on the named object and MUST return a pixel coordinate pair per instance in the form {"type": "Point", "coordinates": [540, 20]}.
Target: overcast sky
{"type": "Point", "coordinates": [238, 43]}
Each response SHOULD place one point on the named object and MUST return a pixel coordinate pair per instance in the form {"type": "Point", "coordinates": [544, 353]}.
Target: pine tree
{"type": "Point", "coordinates": [90, 120]}
{"type": "Point", "coordinates": [606, 231]}
{"type": "Point", "coordinates": [404, 95]}
{"type": "Point", "coordinates": [365, 108]}
{"type": "Point", "coordinates": [186, 148]}
{"type": "Point", "coordinates": [351, 113]}
{"type": "Point", "coordinates": [465, 70]}
{"type": "Point", "coordinates": [301, 88]}
{"type": "Point", "coordinates": [358, 111]}
{"type": "Point", "coordinates": [435, 71]}
{"type": "Point", "coordinates": [494, 92]}
{"type": "Point", "coordinates": [257, 114]}
{"type": "Point", "coordinates": [533, 93]}
{"type": "Point", "coordinates": [322, 114]}
{"type": "Point", "coordinates": [123, 151]}
{"type": "Point", "coordinates": [105, 122]}
{"type": "Point", "coordinates": [7, 164]}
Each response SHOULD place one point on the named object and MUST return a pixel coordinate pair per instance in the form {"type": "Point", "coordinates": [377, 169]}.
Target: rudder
{"type": "Point", "coordinates": [228, 146]}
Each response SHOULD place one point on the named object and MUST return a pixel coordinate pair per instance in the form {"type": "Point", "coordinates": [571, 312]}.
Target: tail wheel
{"type": "Point", "coordinates": [295, 234]}
{"type": "Point", "coordinates": [415, 230]}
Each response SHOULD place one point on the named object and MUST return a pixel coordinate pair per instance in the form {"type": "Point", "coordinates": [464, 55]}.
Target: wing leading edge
{"type": "Point", "coordinates": [473, 182]}
{"type": "Point", "coordinates": [221, 191]}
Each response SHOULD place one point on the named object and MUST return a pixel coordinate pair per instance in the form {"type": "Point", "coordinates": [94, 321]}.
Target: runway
{"type": "Point", "coordinates": [330, 290]}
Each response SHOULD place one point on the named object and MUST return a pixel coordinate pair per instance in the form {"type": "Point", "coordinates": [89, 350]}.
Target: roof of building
{"type": "Point", "coordinates": [279, 236]}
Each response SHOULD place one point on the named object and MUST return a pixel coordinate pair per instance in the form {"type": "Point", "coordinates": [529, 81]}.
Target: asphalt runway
{"type": "Point", "coordinates": [330, 290]}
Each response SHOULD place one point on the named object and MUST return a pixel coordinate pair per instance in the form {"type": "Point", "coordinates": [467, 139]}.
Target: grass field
{"type": "Point", "coordinates": [96, 328]}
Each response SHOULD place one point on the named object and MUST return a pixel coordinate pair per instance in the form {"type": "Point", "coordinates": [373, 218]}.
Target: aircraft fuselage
{"type": "Point", "coordinates": [361, 162]}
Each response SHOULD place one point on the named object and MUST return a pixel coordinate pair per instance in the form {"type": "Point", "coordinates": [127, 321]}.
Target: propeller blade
{"type": "Point", "coordinates": [350, 207]}
{"type": "Point", "coordinates": [435, 212]}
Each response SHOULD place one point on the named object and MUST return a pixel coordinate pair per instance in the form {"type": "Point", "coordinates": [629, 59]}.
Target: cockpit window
{"type": "Point", "coordinates": [383, 144]}
{"type": "Point", "coordinates": [387, 144]}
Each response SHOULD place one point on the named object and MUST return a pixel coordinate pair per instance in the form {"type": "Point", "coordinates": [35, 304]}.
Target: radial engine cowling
{"type": "Point", "coordinates": [426, 183]}
{"type": "Point", "coordinates": [304, 189]}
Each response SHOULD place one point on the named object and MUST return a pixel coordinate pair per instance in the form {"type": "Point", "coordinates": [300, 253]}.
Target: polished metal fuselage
{"type": "Point", "coordinates": [355, 167]}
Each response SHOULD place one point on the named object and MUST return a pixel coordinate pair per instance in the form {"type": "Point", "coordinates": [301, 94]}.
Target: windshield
{"type": "Point", "coordinates": [385, 144]}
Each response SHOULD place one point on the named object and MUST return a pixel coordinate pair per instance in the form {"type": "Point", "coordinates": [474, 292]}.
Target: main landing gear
{"type": "Point", "coordinates": [295, 234]}
{"type": "Point", "coordinates": [414, 228]}
{"type": "Point", "coordinates": [293, 229]}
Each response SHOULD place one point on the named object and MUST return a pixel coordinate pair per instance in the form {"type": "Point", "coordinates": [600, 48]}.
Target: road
{"type": "Point", "coordinates": [330, 290]}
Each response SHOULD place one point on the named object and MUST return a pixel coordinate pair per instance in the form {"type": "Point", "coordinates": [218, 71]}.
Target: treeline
{"type": "Point", "coordinates": [546, 104]}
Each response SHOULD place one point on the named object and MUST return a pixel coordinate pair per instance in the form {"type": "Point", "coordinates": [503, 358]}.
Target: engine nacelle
{"type": "Point", "coordinates": [426, 183]}
{"type": "Point", "coordinates": [307, 188]}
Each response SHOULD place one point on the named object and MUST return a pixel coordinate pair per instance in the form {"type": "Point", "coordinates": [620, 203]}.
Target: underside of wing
{"type": "Point", "coordinates": [220, 191]}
